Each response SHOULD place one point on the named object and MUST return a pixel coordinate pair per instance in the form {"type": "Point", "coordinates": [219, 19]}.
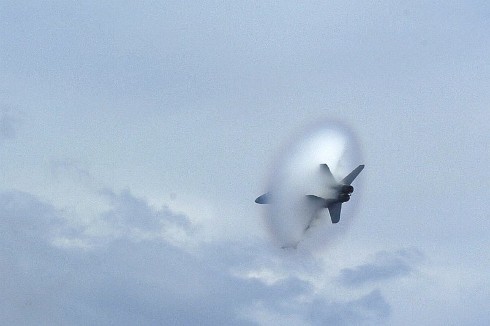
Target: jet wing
{"type": "Point", "coordinates": [334, 210]}
{"type": "Point", "coordinates": [264, 199]}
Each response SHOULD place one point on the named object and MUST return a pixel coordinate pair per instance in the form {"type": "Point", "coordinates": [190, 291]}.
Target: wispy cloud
{"type": "Point", "coordinates": [384, 266]}
{"type": "Point", "coordinates": [128, 218]}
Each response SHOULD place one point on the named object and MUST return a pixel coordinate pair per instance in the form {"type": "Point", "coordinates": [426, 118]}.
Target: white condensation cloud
{"type": "Point", "coordinates": [297, 173]}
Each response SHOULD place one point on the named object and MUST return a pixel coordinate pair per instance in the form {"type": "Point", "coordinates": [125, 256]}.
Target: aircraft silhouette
{"type": "Point", "coordinates": [340, 192]}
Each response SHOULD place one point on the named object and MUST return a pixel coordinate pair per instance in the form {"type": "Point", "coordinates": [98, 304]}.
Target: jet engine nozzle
{"type": "Point", "coordinates": [343, 197]}
{"type": "Point", "coordinates": [347, 189]}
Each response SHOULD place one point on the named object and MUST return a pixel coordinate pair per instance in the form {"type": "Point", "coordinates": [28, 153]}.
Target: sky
{"type": "Point", "coordinates": [135, 136]}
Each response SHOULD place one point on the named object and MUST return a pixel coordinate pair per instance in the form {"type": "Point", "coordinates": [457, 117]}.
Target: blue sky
{"type": "Point", "coordinates": [134, 138]}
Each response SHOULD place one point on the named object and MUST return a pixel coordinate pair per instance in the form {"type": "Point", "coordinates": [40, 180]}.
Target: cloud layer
{"type": "Point", "coordinates": [135, 272]}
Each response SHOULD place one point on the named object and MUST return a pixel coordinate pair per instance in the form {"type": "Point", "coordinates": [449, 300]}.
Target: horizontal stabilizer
{"type": "Point", "coordinates": [348, 179]}
{"type": "Point", "coordinates": [334, 210]}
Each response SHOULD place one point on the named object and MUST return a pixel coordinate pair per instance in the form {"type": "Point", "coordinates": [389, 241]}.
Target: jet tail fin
{"type": "Point", "coordinates": [326, 170]}
{"type": "Point", "coordinates": [349, 178]}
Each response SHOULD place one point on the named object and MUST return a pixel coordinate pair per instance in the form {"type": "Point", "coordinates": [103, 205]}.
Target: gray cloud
{"type": "Point", "coordinates": [130, 211]}
{"type": "Point", "coordinates": [127, 281]}
{"type": "Point", "coordinates": [369, 309]}
{"type": "Point", "coordinates": [385, 266]}
{"type": "Point", "coordinates": [32, 271]}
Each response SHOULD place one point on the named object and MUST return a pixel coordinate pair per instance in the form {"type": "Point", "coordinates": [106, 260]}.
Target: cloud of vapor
{"type": "Point", "coordinates": [296, 173]}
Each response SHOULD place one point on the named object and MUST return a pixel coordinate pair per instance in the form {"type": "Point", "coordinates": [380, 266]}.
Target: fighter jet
{"type": "Point", "coordinates": [339, 192]}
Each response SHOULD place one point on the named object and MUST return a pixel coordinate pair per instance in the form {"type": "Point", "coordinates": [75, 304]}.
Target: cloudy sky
{"type": "Point", "coordinates": [135, 136]}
